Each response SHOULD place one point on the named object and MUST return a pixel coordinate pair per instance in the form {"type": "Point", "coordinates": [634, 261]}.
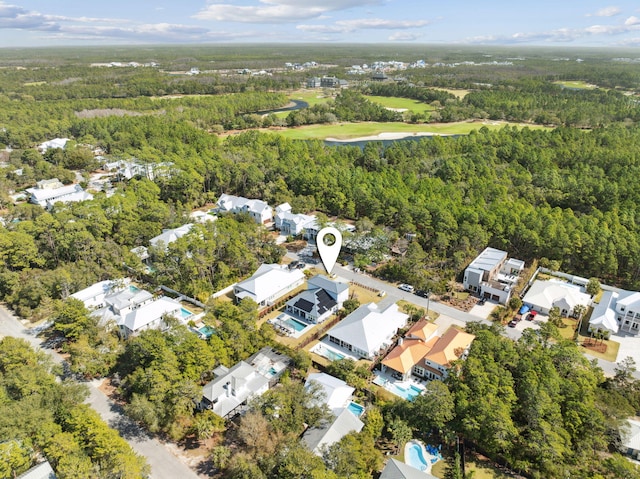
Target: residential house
{"type": "Point", "coordinates": [49, 192]}
{"type": "Point", "coordinates": [336, 394]}
{"type": "Point", "coordinates": [329, 432]}
{"type": "Point", "coordinates": [40, 471]}
{"type": "Point", "coordinates": [259, 210]}
{"type": "Point", "coordinates": [493, 275]}
{"type": "Point", "coordinates": [292, 224]}
{"type": "Point", "coordinates": [168, 236]}
{"type": "Point", "coordinates": [93, 296]}
{"type": "Point", "coordinates": [322, 298]}
{"type": "Point", "coordinates": [232, 388]}
{"type": "Point", "coordinates": [268, 284]}
{"type": "Point", "coordinates": [603, 317]}
{"type": "Point", "coordinates": [55, 143]}
{"type": "Point", "coordinates": [424, 354]}
{"type": "Point", "coordinates": [544, 295]}
{"type": "Point", "coordinates": [368, 330]}
{"type": "Point", "coordinates": [314, 82]}
{"type": "Point", "coordinates": [628, 311]}
{"type": "Point", "coordinates": [630, 439]}
{"type": "Point", "coordinates": [332, 82]}
{"type": "Point", "coordinates": [395, 469]}
{"type": "Point", "coordinates": [151, 315]}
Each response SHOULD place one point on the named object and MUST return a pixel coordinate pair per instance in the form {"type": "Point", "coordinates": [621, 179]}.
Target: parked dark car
{"type": "Point", "coordinates": [422, 293]}
{"type": "Point", "coordinates": [513, 323]}
{"type": "Point", "coordinates": [532, 315]}
{"type": "Point", "coordinates": [482, 301]}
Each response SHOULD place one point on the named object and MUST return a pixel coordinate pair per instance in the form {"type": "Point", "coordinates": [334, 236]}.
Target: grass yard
{"type": "Point", "coordinates": [567, 333]}
{"type": "Point", "coordinates": [346, 131]}
{"type": "Point", "coordinates": [312, 97]}
{"type": "Point", "coordinates": [460, 93]}
{"type": "Point", "coordinates": [579, 85]}
{"type": "Point", "coordinates": [401, 103]}
{"type": "Point", "coordinates": [474, 467]}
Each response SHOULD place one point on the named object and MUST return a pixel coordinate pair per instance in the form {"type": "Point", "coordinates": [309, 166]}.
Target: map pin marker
{"type": "Point", "coordinates": [329, 242]}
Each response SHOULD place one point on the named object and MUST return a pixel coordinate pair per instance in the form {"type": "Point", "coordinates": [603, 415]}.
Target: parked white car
{"type": "Point", "coordinates": [406, 287]}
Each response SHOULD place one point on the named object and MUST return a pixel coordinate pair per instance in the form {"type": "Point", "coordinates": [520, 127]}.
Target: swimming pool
{"type": "Point", "coordinates": [206, 331]}
{"type": "Point", "coordinates": [356, 409]}
{"type": "Point", "coordinates": [185, 313]}
{"type": "Point", "coordinates": [133, 289]}
{"type": "Point", "coordinates": [415, 457]}
{"type": "Point", "coordinates": [297, 325]}
{"type": "Point", "coordinates": [406, 393]}
{"type": "Point", "coordinates": [332, 355]}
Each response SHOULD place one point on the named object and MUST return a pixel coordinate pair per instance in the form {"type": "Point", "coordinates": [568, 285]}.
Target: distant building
{"type": "Point", "coordinates": [493, 275]}
{"type": "Point", "coordinates": [332, 82]}
{"type": "Point", "coordinates": [322, 298]}
{"type": "Point", "coordinates": [314, 82]}
{"type": "Point", "coordinates": [59, 143]}
{"type": "Point", "coordinates": [168, 236]}
{"type": "Point", "coordinates": [49, 192]}
{"type": "Point", "coordinates": [292, 224]}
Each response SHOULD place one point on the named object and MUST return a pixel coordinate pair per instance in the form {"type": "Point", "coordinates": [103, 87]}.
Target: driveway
{"type": "Point", "coordinates": [164, 465]}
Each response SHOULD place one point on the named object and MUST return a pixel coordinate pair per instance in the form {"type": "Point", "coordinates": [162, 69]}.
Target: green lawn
{"type": "Point", "coordinates": [567, 333]}
{"type": "Point", "coordinates": [345, 131]}
{"type": "Point", "coordinates": [312, 97]}
{"type": "Point", "coordinates": [474, 467]}
{"type": "Point", "coordinates": [457, 92]}
{"type": "Point", "coordinates": [576, 84]}
{"type": "Point", "coordinates": [401, 103]}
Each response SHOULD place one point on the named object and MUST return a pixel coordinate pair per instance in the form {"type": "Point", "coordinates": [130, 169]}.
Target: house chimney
{"type": "Point", "coordinates": [400, 340]}
{"type": "Point", "coordinates": [228, 388]}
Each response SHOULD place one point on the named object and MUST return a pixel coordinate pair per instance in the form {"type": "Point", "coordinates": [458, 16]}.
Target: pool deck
{"type": "Point", "coordinates": [324, 345]}
{"type": "Point", "coordinates": [386, 380]}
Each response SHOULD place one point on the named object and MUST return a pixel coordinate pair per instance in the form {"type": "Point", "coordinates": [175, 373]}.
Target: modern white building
{"type": "Point", "coordinates": [268, 284]}
{"type": "Point", "coordinates": [151, 315]}
{"type": "Point", "coordinates": [493, 275]}
{"type": "Point", "coordinates": [336, 393]}
{"type": "Point", "coordinates": [292, 224]}
{"type": "Point", "coordinates": [617, 312]}
{"type": "Point", "coordinates": [55, 143]}
{"type": "Point", "coordinates": [544, 295]}
{"type": "Point", "coordinates": [49, 192]}
{"type": "Point", "coordinates": [259, 210]}
{"type": "Point", "coordinates": [168, 236]}
{"type": "Point", "coordinates": [322, 298]}
{"type": "Point", "coordinates": [368, 330]}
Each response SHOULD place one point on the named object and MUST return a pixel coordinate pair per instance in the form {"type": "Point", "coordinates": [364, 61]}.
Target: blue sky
{"type": "Point", "coordinates": [493, 22]}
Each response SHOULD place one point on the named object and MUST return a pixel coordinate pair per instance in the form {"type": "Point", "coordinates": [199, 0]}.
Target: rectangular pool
{"type": "Point", "coordinates": [206, 331]}
{"type": "Point", "coordinates": [185, 313]}
{"type": "Point", "coordinates": [355, 408]}
{"type": "Point", "coordinates": [296, 325]}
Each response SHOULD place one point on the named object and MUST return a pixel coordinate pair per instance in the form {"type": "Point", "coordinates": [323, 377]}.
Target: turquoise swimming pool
{"type": "Point", "coordinates": [332, 355]}
{"type": "Point", "coordinates": [206, 331]}
{"type": "Point", "coordinates": [415, 456]}
{"type": "Point", "coordinates": [356, 409]}
{"type": "Point", "coordinates": [297, 325]}
{"type": "Point", "coordinates": [185, 313]}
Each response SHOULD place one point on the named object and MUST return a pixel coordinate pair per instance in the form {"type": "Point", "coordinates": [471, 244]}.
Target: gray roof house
{"type": "Point", "coordinates": [49, 192]}
{"type": "Point", "coordinates": [39, 471]}
{"type": "Point", "coordinates": [322, 298]}
{"type": "Point", "coordinates": [331, 431]}
{"type": "Point", "coordinates": [232, 388]}
{"type": "Point", "coordinates": [293, 224]}
{"type": "Point", "coordinates": [395, 469]}
{"type": "Point", "coordinates": [630, 436]}
{"type": "Point", "coordinates": [493, 275]}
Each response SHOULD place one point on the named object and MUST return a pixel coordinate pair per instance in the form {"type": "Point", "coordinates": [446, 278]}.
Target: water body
{"type": "Point", "coordinates": [385, 143]}
{"type": "Point", "coordinates": [297, 105]}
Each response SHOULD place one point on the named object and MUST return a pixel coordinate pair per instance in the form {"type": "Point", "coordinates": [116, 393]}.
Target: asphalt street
{"type": "Point", "coordinates": [164, 465]}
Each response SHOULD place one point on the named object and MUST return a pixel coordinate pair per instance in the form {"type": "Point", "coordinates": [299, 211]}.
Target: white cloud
{"type": "Point", "coordinates": [606, 12]}
{"type": "Point", "coordinates": [348, 26]}
{"type": "Point", "coordinates": [277, 11]}
{"type": "Point", "coordinates": [631, 21]}
{"type": "Point", "coordinates": [403, 37]}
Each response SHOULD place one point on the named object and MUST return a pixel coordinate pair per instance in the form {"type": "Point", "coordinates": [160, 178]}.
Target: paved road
{"type": "Point", "coordinates": [164, 465]}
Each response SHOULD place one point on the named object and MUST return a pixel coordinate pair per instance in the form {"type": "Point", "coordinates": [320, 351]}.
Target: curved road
{"type": "Point", "coordinates": [164, 465]}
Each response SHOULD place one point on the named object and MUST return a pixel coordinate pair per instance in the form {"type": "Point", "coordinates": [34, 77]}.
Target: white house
{"type": "Point", "coordinates": [170, 235]}
{"type": "Point", "coordinates": [48, 192]}
{"type": "Point", "coordinates": [39, 471]}
{"type": "Point", "coordinates": [603, 316]}
{"type": "Point", "coordinates": [232, 388]}
{"type": "Point", "coordinates": [55, 143]}
{"type": "Point", "coordinates": [493, 275]}
{"type": "Point", "coordinates": [93, 296]}
{"type": "Point", "coordinates": [336, 393]}
{"type": "Point", "coordinates": [544, 295]}
{"type": "Point", "coordinates": [628, 311]}
{"type": "Point", "coordinates": [322, 298]}
{"type": "Point", "coordinates": [368, 330]}
{"type": "Point", "coordinates": [630, 439]}
{"type": "Point", "coordinates": [259, 210]}
{"type": "Point", "coordinates": [292, 224]}
{"type": "Point", "coordinates": [268, 284]}
{"type": "Point", "coordinates": [150, 315]}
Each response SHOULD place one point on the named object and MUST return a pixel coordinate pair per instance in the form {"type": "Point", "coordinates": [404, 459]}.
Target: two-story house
{"type": "Point", "coordinates": [493, 275]}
